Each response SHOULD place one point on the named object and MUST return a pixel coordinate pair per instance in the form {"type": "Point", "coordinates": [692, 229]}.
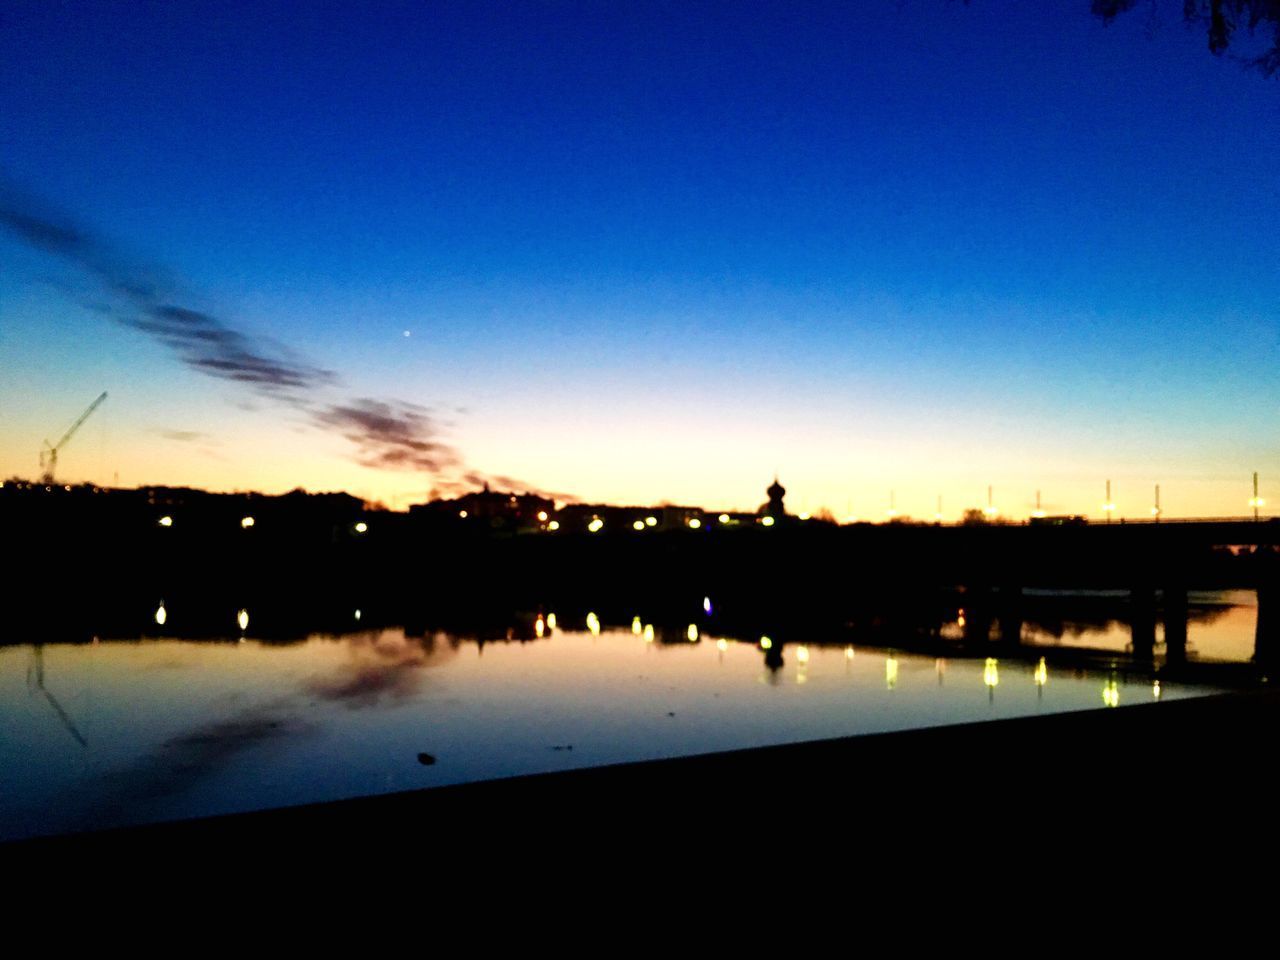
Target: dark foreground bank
{"type": "Point", "coordinates": [1175, 777]}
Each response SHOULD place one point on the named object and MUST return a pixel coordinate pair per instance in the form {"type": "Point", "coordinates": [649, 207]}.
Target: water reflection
{"type": "Point", "coordinates": [167, 728]}
{"type": "Point", "coordinates": [164, 727]}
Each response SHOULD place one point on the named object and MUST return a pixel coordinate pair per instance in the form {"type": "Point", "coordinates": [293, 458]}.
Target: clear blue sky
{"type": "Point", "coordinates": [655, 251]}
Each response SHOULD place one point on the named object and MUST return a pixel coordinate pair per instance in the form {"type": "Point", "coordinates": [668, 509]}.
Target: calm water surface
{"type": "Point", "coordinates": [120, 732]}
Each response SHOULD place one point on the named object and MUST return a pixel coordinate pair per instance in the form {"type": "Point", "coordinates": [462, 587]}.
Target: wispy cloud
{"type": "Point", "coordinates": [386, 434]}
{"type": "Point", "coordinates": [186, 436]}
{"type": "Point", "coordinates": [392, 434]}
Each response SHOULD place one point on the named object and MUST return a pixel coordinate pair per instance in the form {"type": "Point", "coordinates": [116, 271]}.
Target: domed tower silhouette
{"type": "Point", "coordinates": [774, 508]}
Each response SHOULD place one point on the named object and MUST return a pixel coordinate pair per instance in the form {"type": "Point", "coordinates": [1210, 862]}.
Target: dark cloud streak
{"type": "Point", "coordinates": [386, 434]}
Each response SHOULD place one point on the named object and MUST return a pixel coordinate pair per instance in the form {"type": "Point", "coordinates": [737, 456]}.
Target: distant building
{"type": "Point", "coordinates": [774, 507]}
{"type": "Point", "coordinates": [493, 508]}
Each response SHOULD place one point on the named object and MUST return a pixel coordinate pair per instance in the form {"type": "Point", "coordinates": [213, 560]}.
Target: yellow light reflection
{"type": "Point", "coordinates": [991, 672]}
{"type": "Point", "coordinates": [593, 624]}
{"type": "Point", "coordinates": [848, 653]}
{"type": "Point", "coordinates": [1042, 673]}
{"type": "Point", "coordinates": [890, 672]}
{"type": "Point", "coordinates": [242, 618]}
{"type": "Point", "coordinates": [539, 627]}
{"type": "Point", "coordinates": [636, 627]}
{"type": "Point", "coordinates": [648, 633]}
{"type": "Point", "coordinates": [1111, 694]}
{"type": "Point", "coordinates": [802, 654]}
{"type": "Point", "coordinates": [722, 644]}
{"type": "Point", "coordinates": [692, 633]}
{"type": "Point", "coordinates": [1155, 690]}
{"type": "Point", "coordinates": [161, 614]}
{"type": "Point", "coordinates": [551, 621]}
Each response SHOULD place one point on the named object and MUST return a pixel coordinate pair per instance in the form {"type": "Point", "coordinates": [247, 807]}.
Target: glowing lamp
{"type": "Point", "coordinates": [650, 521]}
{"type": "Point", "coordinates": [724, 518]}
{"type": "Point", "coordinates": [362, 527]}
{"type": "Point", "coordinates": [542, 516]}
{"type": "Point", "coordinates": [553, 525]}
{"type": "Point", "coordinates": [596, 525]}
{"type": "Point", "coordinates": [246, 522]}
{"type": "Point", "coordinates": [166, 521]}
{"type": "Point", "coordinates": [766, 521]}
{"type": "Point", "coordinates": [638, 525]}
{"type": "Point", "coordinates": [694, 523]}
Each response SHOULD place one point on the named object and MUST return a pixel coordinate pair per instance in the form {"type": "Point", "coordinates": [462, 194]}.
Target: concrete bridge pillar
{"type": "Point", "coordinates": [1266, 644]}
{"type": "Point", "coordinates": [1142, 622]}
{"type": "Point", "coordinates": [1011, 616]}
{"type": "Point", "coordinates": [1175, 624]}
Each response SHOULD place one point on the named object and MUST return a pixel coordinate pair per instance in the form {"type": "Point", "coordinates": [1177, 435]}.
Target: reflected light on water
{"type": "Point", "coordinates": [1111, 693]}
{"type": "Point", "coordinates": [991, 672]}
{"type": "Point", "coordinates": [648, 633]}
{"type": "Point", "coordinates": [1155, 689]}
{"type": "Point", "coordinates": [890, 672]}
{"type": "Point", "coordinates": [802, 654]}
{"type": "Point", "coordinates": [848, 653]}
{"type": "Point", "coordinates": [1042, 673]}
{"type": "Point", "coordinates": [722, 644]}
{"type": "Point", "coordinates": [636, 627]}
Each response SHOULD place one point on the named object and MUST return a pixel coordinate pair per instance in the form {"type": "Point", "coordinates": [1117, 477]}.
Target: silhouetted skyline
{"type": "Point", "coordinates": [892, 253]}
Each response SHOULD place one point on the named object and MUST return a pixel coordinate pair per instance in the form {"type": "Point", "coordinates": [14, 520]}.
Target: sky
{"type": "Point", "coordinates": [890, 252]}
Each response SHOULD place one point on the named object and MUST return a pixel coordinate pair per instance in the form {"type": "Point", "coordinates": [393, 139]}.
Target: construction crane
{"type": "Point", "coordinates": [49, 455]}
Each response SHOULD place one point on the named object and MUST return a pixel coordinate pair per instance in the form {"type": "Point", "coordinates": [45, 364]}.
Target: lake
{"type": "Point", "coordinates": [145, 728]}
